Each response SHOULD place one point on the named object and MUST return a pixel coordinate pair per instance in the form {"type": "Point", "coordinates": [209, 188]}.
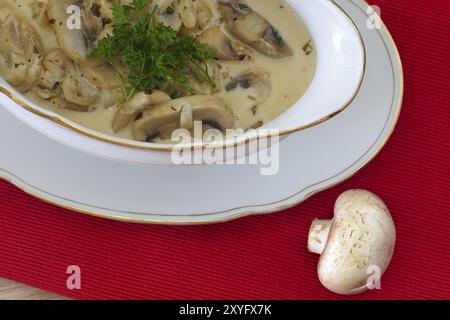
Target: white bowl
{"type": "Point", "coordinates": [339, 74]}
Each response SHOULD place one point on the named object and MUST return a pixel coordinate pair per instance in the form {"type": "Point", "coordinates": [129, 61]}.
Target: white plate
{"type": "Point", "coordinates": [310, 161]}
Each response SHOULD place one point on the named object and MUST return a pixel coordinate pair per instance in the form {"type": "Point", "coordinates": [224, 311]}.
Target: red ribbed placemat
{"type": "Point", "coordinates": [266, 257]}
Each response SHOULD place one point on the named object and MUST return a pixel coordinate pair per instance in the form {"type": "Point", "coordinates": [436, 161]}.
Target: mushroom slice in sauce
{"type": "Point", "coordinates": [54, 65]}
{"type": "Point", "coordinates": [21, 49]}
{"type": "Point", "coordinates": [186, 117]}
{"type": "Point", "coordinates": [169, 13]}
{"type": "Point", "coordinates": [207, 13]}
{"type": "Point", "coordinates": [105, 9]}
{"type": "Point", "coordinates": [76, 85]}
{"type": "Point", "coordinates": [38, 12]}
{"type": "Point", "coordinates": [207, 108]}
{"type": "Point", "coordinates": [200, 86]}
{"type": "Point", "coordinates": [257, 80]}
{"type": "Point", "coordinates": [77, 43]}
{"type": "Point", "coordinates": [78, 91]}
{"type": "Point", "coordinates": [140, 102]}
{"type": "Point", "coordinates": [218, 41]}
{"type": "Point", "coordinates": [197, 16]}
{"type": "Point", "coordinates": [252, 29]}
{"type": "Point", "coordinates": [102, 76]}
{"type": "Point", "coordinates": [25, 73]}
{"type": "Point", "coordinates": [188, 13]}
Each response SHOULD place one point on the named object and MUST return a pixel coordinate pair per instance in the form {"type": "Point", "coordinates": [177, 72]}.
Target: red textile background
{"type": "Point", "coordinates": [265, 257]}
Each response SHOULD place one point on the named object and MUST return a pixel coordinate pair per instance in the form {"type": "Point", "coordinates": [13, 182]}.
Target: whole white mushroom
{"type": "Point", "coordinates": [358, 242]}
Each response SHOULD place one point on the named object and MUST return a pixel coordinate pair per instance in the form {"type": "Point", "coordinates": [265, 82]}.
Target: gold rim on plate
{"type": "Point", "coordinates": [29, 189]}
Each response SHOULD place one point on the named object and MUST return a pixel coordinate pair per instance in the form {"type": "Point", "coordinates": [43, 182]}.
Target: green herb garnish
{"type": "Point", "coordinates": [153, 52]}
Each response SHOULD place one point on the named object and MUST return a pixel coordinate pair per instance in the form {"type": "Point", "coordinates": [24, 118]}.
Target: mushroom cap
{"type": "Point", "coordinates": [169, 13]}
{"type": "Point", "coordinates": [207, 13]}
{"type": "Point", "coordinates": [102, 76]}
{"type": "Point", "coordinates": [253, 29]}
{"type": "Point", "coordinates": [77, 43]}
{"type": "Point", "coordinates": [362, 235]}
{"type": "Point", "coordinates": [140, 102]}
{"type": "Point", "coordinates": [21, 47]}
{"type": "Point", "coordinates": [207, 108]}
{"type": "Point", "coordinates": [78, 91]}
{"type": "Point", "coordinates": [54, 64]}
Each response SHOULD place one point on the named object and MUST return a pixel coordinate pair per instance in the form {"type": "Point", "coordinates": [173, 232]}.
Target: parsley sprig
{"type": "Point", "coordinates": [153, 53]}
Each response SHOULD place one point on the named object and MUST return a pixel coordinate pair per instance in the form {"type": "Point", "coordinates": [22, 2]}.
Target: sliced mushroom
{"type": "Point", "coordinates": [64, 104]}
{"type": "Point", "coordinates": [199, 13]}
{"type": "Point", "coordinates": [206, 108]}
{"type": "Point", "coordinates": [25, 73]}
{"type": "Point", "coordinates": [169, 13]}
{"type": "Point", "coordinates": [21, 49]}
{"type": "Point", "coordinates": [252, 29]}
{"type": "Point", "coordinates": [222, 45]}
{"type": "Point", "coordinates": [106, 9]}
{"type": "Point", "coordinates": [102, 76]}
{"type": "Point", "coordinates": [200, 86]}
{"type": "Point", "coordinates": [111, 98]}
{"type": "Point", "coordinates": [45, 94]}
{"type": "Point", "coordinates": [78, 90]}
{"type": "Point", "coordinates": [70, 87]}
{"type": "Point", "coordinates": [197, 16]}
{"type": "Point", "coordinates": [139, 103]}
{"type": "Point", "coordinates": [207, 13]}
{"type": "Point", "coordinates": [76, 43]}
{"type": "Point", "coordinates": [186, 117]}
{"type": "Point", "coordinates": [38, 12]}
{"type": "Point", "coordinates": [256, 80]}
{"type": "Point", "coordinates": [198, 83]}
{"type": "Point", "coordinates": [188, 13]}
{"type": "Point", "coordinates": [54, 65]}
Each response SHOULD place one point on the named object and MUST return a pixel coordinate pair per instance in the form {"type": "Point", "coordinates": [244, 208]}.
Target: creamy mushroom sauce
{"type": "Point", "coordinates": [289, 77]}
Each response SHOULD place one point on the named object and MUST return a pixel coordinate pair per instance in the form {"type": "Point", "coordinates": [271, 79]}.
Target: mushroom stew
{"type": "Point", "coordinates": [139, 69]}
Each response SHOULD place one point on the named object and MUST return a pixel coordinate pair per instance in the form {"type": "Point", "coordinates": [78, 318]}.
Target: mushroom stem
{"type": "Point", "coordinates": [318, 235]}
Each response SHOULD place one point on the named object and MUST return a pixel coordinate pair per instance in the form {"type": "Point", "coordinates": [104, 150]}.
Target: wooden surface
{"type": "Point", "coordinates": [10, 290]}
